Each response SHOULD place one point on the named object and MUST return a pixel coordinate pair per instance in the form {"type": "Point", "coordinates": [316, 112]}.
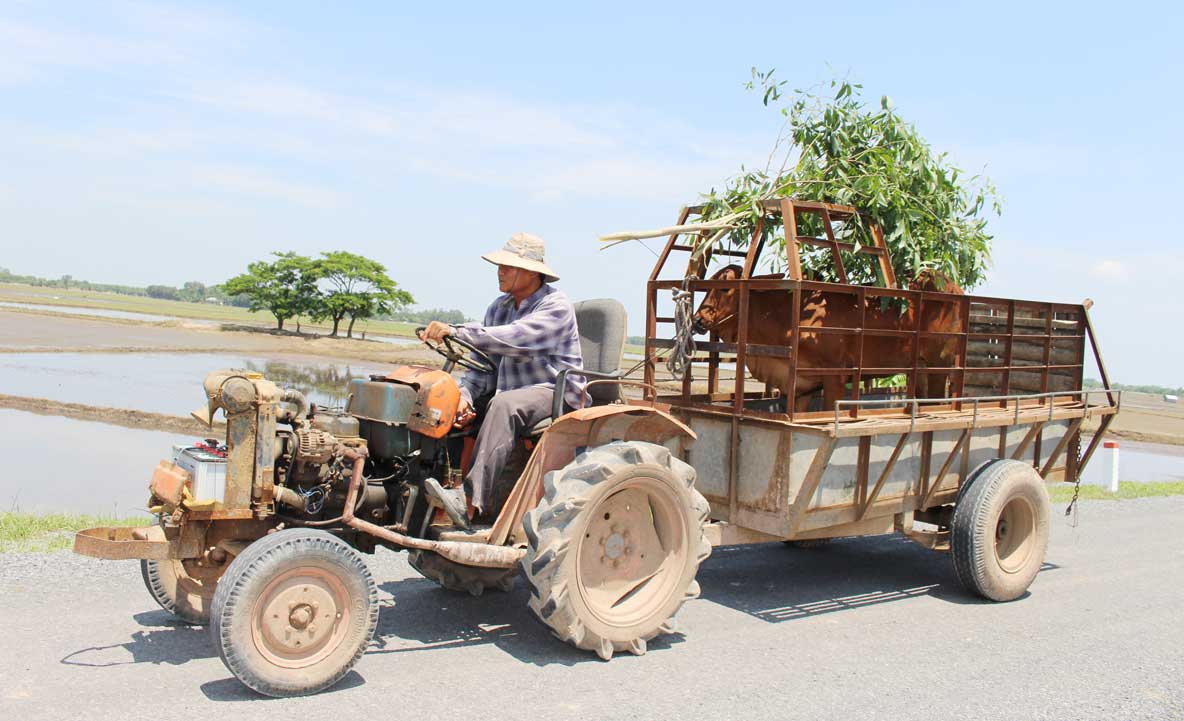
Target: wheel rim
{"type": "Point", "coordinates": [1015, 534]}
{"type": "Point", "coordinates": [301, 617]}
{"type": "Point", "coordinates": [633, 553]}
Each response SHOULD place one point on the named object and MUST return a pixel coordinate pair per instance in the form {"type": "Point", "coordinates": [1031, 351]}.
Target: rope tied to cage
{"type": "Point", "coordinates": [679, 362]}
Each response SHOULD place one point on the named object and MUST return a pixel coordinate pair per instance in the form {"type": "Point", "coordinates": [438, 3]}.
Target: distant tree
{"type": "Point", "coordinates": [426, 315]}
{"type": "Point", "coordinates": [286, 287]}
{"type": "Point", "coordinates": [192, 291]}
{"type": "Point", "coordinates": [166, 292]}
{"type": "Point", "coordinates": [66, 280]}
{"type": "Point", "coordinates": [354, 286]}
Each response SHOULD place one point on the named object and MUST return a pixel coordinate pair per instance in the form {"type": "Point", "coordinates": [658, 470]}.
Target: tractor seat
{"type": "Point", "coordinates": [601, 323]}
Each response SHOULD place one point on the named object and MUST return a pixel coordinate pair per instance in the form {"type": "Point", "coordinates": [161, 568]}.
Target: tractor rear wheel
{"type": "Point", "coordinates": [999, 531]}
{"type": "Point", "coordinates": [183, 588]}
{"type": "Point", "coordinates": [614, 546]}
{"type": "Point", "coordinates": [294, 612]}
{"type": "Point", "coordinates": [459, 577]}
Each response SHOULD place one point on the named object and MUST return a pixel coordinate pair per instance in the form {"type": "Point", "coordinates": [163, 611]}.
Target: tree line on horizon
{"type": "Point", "coordinates": [335, 286]}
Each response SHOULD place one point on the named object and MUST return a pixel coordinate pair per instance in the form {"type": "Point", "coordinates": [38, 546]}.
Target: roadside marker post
{"type": "Point", "coordinates": [1112, 447]}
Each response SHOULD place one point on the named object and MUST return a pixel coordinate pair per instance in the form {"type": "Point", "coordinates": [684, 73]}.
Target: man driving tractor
{"type": "Point", "coordinates": [530, 334]}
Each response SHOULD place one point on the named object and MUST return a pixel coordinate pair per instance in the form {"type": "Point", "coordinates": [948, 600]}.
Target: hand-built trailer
{"type": "Point", "coordinates": [971, 466]}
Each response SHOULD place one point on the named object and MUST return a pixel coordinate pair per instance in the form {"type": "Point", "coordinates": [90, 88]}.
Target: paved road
{"type": "Point", "coordinates": [863, 629]}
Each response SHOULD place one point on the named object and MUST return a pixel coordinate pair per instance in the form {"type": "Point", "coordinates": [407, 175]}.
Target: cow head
{"type": "Point", "coordinates": [935, 281]}
{"type": "Point", "coordinates": [720, 305]}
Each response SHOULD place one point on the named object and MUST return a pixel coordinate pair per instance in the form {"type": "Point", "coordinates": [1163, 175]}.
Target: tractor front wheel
{"type": "Point", "coordinates": [614, 546]}
{"type": "Point", "coordinates": [183, 588]}
{"type": "Point", "coordinates": [294, 612]}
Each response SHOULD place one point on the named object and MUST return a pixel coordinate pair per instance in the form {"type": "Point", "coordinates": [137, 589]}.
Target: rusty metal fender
{"type": "Point", "coordinates": [122, 543]}
{"type": "Point", "coordinates": [587, 427]}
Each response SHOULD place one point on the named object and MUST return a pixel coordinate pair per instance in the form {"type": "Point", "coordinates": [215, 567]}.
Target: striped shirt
{"type": "Point", "coordinates": [529, 344]}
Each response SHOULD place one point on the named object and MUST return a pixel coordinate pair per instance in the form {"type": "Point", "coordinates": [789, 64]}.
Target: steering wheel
{"type": "Point", "coordinates": [459, 352]}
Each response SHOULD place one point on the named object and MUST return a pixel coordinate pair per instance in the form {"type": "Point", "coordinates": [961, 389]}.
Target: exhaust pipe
{"type": "Point", "coordinates": [484, 555]}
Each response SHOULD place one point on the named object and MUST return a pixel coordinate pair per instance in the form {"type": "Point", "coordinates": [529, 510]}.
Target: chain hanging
{"type": "Point", "coordinates": [1069, 510]}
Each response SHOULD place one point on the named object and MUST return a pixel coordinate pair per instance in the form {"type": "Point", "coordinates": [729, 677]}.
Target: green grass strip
{"type": "Point", "coordinates": [28, 532]}
{"type": "Point", "coordinates": [1063, 492]}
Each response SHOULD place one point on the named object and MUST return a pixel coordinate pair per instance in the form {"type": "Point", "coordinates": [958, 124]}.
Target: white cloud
{"type": "Point", "coordinates": [251, 181]}
{"type": "Point", "coordinates": [1111, 270]}
{"type": "Point", "coordinates": [547, 151]}
{"type": "Point", "coordinates": [31, 50]}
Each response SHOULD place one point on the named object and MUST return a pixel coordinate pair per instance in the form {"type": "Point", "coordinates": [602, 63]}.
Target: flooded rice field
{"type": "Point", "coordinates": [97, 312]}
{"type": "Point", "coordinates": [155, 318]}
{"type": "Point", "coordinates": [167, 383]}
{"type": "Point", "coordinates": [1141, 462]}
{"type": "Point", "coordinates": [57, 464]}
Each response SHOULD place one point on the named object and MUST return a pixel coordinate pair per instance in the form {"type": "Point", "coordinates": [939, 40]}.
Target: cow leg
{"type": "Point", "coordinates": [922, 381]}
{"type": "Point", "coordinates": [938, 383]}
{"type": "Point", "coordinates": [832, 391]}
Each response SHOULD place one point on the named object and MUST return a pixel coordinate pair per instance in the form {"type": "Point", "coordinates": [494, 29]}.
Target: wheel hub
{"type": "Point", "coordinates": [300, 618]}
{"type": "Point", "coordinates": [614, 545]}
{"type": "Point", "coordinates": [630, 554]}
{"type": "Point", "coordinates": [1015, 534]}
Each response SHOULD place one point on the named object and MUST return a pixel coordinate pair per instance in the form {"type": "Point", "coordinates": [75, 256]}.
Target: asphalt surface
{"type": "Point", "coordinates": [862, 629]}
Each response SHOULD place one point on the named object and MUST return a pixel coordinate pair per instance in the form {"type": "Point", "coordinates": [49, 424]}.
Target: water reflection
{"type": "Point", "coordinates": [57, 464]}
{"type": "Point", "coordinates": [1140, 462]}
{"type": "Point", "coordinates": [325, 385]}
{"type": "Point", "coordinates": [165, 382]}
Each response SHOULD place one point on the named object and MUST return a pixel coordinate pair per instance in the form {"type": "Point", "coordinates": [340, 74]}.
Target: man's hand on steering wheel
{"type": "Point", "coordinates": [441, 338]}
{"type": "Point", "coordinates": [436, 331]}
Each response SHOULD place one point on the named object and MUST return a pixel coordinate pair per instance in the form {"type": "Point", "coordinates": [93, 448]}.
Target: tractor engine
{"type": "Point", "coordinates": [287, 459]}
{"type": "Point", "coordinates": [402, 419]}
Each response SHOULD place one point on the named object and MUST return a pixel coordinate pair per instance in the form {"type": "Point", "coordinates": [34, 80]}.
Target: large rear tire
{"type": "Point", "coordinates": [294, 612]}
{"type": "Point", "coordinates": [459, 577]}
{"type": "Point", "coordinates": [999, 532]}
{"type": "Point", "coordinates": [183, 588]}
{"type": "Point", "coordinates": [614, 547]}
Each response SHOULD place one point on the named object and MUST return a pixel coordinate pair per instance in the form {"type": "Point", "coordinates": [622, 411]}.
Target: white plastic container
{"type": "Point", "coordinates": [208, 472]}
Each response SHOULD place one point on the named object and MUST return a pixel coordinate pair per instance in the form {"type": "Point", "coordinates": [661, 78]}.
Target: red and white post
{"type": "Point", "coordinates": [1112, 447]}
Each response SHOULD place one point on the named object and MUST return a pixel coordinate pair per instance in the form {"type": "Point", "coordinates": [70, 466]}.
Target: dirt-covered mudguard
{"type": "Point", "coordinates": [585, 428]}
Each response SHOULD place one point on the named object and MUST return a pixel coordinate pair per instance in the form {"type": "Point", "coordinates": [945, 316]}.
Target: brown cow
{"type": "Point", "coordinates": [770, 319]}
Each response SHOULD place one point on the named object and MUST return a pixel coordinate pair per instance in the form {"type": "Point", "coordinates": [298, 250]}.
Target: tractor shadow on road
{"type": "Point", "coordinates": [168, 641]}
{"type": "Point", "coordinates": [423, 616]}
{"type": "Point", "coordinates": [165, 641]}
{"type": "Point", "coordinates": [776, 582]}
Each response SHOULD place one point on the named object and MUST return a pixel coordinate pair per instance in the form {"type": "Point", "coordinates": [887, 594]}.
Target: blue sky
{"type": "Point", "coordinates": [154, 143]}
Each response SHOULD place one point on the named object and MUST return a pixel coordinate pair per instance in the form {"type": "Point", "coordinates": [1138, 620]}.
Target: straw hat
{"type": "Point", "coordinates": [525, 251]}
